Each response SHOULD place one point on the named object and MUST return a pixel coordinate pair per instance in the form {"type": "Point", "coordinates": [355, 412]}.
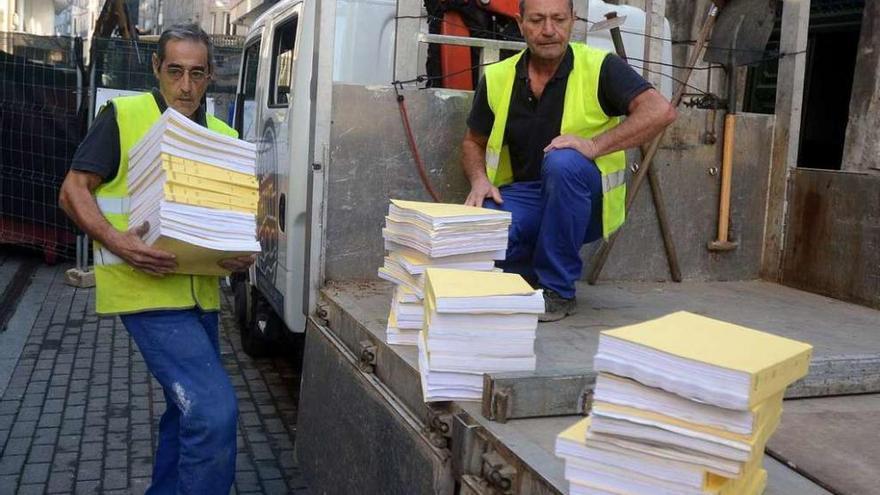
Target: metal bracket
{"type": "Point", "coordinates": [501, 398]}
{"type": "Point", "coordinates": [367, 357]}
{"type": "Point", "coordinates": [708, 101]}
{"type": "Point", "coordinates": [322, 312]}
{"type": "Point", "coordinates": [500, 475]}
{"type": "Point", "coordinates": [586, 402]}
{"type": "Point", "coordinates": [474, 485]}
{"type": "Point", "coordinates": [438, 429]}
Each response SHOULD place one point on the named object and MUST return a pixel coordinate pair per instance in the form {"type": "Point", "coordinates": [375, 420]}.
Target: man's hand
{"type": "Point", "coordinates": [583, 146]}
{"type": "Point", "coordinates": [473, 161]}
{"type": "Point", "coordinates": [238, 264]}
{"type": "Point", "coordinates": [480, 190]}
{"type": "Point", "coordinates": [131, 247]}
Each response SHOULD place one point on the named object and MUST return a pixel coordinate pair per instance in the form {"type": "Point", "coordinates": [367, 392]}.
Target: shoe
{"type": "Point", "coordinates": [557, 307]}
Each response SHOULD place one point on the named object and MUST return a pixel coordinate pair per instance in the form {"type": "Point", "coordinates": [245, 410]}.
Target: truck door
{"type": "Point", "coordinates": [274, 157]}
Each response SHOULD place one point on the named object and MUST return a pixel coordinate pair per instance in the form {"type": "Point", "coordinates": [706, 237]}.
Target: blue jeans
{"type": "Point", "coordinates": [197, 433]}
{"type": "Point", "coordinates": [552, 218]}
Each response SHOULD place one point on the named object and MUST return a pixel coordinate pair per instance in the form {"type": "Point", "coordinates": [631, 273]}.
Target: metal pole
{"type": "Point", "coordinates": [602, 255]}
{"type": "Point", "coordinates": [656, 191]}
{"type": "Point", "coordinates": [80, 88]}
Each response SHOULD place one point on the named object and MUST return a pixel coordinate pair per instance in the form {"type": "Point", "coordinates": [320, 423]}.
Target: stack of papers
{"type": "Point", "coordinates": [683, 404]}
{"type": "Point", "coordinates": [406, 318]}
{"type": "Point", "coordinates": [438, 230]}
{"type": "Point", "coordinates": [421, 235]}
{"type": "Point", "coordinates": [475, 323]}
{"type": "Point", "coordinates": [198, 191]}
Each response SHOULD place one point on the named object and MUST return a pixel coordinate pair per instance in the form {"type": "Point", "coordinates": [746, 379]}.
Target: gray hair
{"type": "Point", "coordinates": [522, 6]}
{"type": "Point", "coordinates": [186, 32]}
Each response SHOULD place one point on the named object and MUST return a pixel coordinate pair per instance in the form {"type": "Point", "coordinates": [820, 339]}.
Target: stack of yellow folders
{"type": "Point", "coordinates": [475, 323]}
{"type": "Point", "coordinates": [421, 235]}
{"type": "Point", "coordinates": [197, 190]}
{"type": "Point", "coordinates": [683, 404]}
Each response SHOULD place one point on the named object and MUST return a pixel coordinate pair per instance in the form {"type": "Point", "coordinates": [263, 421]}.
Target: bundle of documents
{"type": "Point", "coordinates": [406, 318]}
{"type": "Point", "coordinates": [683, 404]}
{"type": "Point", "coordinates": [475, 323]}
{"type": "Point", "coordinates": [439, 230]}
{"type": "Point", "coordinates": [198, 191]}
{"type": "Point", "coordinates": [421, 235]}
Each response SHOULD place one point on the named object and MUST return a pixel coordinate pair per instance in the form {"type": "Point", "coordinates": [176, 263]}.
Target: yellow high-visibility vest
{"type": "Point", "coordinates": [122, 288]}
{"type": "Point", "coordinates": [582, 115]}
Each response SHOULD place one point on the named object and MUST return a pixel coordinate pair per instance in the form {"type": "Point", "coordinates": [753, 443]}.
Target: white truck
{"type": "Point", "coordinates": [316, 95]}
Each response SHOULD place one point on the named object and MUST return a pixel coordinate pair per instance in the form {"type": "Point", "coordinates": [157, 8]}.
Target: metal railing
{"type": "Point", "coordinates": [413, 38]}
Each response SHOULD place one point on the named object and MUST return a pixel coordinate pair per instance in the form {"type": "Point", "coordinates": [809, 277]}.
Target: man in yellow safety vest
{"type": "Point", "coordinates": [545, 142]}
{"type": "Point", "coordinates": [173, 318]}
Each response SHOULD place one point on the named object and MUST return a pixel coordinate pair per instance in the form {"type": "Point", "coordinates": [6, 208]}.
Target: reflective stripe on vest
{"type": "Point", "coordinates": [582, 116]}
{"type": "Point", "coordinates": [612, 180]}
{"type": "Point", "coordinates": [103, 257]}
{"type": "Point", "coordinates": [114, 206]}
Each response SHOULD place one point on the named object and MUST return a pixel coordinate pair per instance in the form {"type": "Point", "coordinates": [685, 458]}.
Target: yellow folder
{"type": "Point", "coordinates": [772, 362]}
{"type": "Point", "coordinates": [752, 482]}
{"type": "Point", "coordinates": [191, 167]}
{"type": "Point", "coordinates": [447, 282]}
{"type": "Point", "coordinates": [196, 260]}
{"type": "Point", "coordinates": [200, 197]}
{"type": "Point", "coordinates": [755, 441]}
{"type": "Point", "coordinates": [211, 185]}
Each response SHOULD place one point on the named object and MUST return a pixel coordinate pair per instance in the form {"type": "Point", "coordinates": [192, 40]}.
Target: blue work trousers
{"type": "Point", "coordinates": [197, 433]}
{"type": "Point", "coordinates": [552, 218]}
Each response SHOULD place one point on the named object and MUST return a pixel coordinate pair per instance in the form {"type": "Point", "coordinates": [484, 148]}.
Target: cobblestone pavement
{"type": "Point", "coordinates": [81, 411]}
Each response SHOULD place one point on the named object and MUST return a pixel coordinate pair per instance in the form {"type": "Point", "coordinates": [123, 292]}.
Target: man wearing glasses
{"type": "Point", "coordinates": [173, 318]}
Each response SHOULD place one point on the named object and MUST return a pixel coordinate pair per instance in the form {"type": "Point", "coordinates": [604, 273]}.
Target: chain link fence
{"type": "Point", "coordinates": [41, 124]}
{"type": "Point", "coordinates": [47, 99]}
{"type": "Point", "coordinates": [120, 64]}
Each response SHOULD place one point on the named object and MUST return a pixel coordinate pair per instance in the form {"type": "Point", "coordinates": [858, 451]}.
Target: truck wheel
{"type": "Point", "coordinates": [258, 336]}
{"type": "Point", "coordinates": [296, 344]}
{"type": "Point", "coordinates": [242, 294]}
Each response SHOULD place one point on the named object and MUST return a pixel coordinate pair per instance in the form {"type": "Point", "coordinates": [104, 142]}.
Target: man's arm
{"type": "Point", "coordinates": [77, 200]}
{"type": "Point", "coordinates": [473, 151]}
{"type": "Point", "coordinates": [649, 113]}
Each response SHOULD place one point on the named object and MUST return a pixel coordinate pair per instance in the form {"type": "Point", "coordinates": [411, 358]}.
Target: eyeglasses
{"type": "Point", "coordinates": [196, 75]}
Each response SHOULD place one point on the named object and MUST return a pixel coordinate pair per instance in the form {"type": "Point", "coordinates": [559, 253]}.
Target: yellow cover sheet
{"type": "Point", "coordinates": [197, 260]}
{"type": "Point", "coordinates": [771, 361]}
{"type": "Point", "coordinates": [447, 282]}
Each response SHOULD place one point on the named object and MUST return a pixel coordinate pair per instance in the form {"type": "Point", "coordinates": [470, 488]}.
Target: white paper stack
{"type": "Point", "coordinates": [406, 317]}
{"type": "Point", "coordinates": [198, 191]}
{"type": "Point", "coordinates": [422, 235]}
{"type": "Point", "coordinates": [439, 230]}
{"type": "Point", "coordinates": [682, 405]}
{"type": "Point", "coordinates": [475, 323]}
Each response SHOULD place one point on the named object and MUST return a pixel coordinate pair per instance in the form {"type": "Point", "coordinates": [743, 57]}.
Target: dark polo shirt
{"type": "Point", "coordinates": [532, 122]}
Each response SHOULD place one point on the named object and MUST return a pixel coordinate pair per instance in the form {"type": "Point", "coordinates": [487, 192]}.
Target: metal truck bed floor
{"type": "Point", "coordinates": [533, 441]}
{"type": "Point", "coordinates": [841, 333]}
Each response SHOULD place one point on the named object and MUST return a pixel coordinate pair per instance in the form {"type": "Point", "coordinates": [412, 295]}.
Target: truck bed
{"type": "Point", "coordinates": [846, 337]}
